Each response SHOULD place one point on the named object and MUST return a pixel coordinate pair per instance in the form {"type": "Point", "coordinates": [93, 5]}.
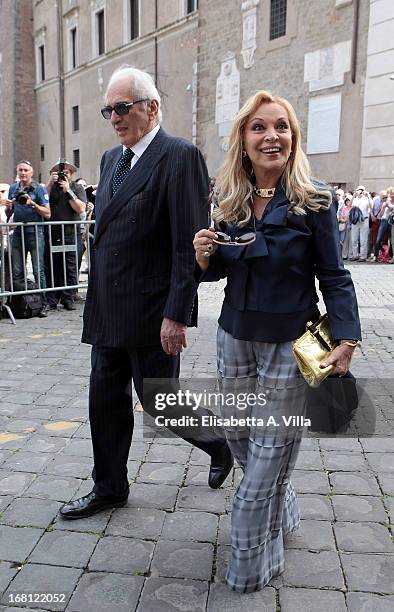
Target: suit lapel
{"type": "Point", "coordinates": [113, 161]}
{"type": "Point", "coordinates": [133, 183]}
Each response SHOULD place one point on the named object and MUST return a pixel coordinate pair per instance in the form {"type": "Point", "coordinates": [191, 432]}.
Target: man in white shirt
{"type": "Point", "coordinates": [360, 230]}
{"type": "Point", "coordinates": [150, 201]}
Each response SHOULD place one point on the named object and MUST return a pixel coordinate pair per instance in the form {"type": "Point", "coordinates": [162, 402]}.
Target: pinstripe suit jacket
{"type": "Point", "coordinates": [143, 257]}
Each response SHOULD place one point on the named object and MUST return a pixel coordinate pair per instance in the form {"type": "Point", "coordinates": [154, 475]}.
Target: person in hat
{"type": "Point", "coordinates": [360, 230]}
{"type": "Point", "coordinates": [67, 200]}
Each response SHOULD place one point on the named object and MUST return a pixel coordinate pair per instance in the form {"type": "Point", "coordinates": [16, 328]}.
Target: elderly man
{"type": "Point", "coordinates": [339, 199]}
{"type": "Point", "coordinates": [360, 230]}
{"type": "Point", "coordinates": [150, 201]}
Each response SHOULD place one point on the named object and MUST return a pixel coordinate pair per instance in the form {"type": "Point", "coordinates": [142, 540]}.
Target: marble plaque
{"type": "Point", "coordinates": [324, 124]}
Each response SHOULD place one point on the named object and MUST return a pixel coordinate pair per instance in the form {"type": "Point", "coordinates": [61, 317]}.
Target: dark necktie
{"type": "Point", "coordinates": [122, 170]}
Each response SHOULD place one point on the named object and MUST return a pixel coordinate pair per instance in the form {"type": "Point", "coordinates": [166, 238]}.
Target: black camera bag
{"type": "Point", "coordinates": [28, 305]}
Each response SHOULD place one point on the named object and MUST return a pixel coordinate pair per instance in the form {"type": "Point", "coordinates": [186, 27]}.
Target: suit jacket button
{"type": "Point", "coordinates": [116, 283]}
{"type": "Point", "coordinates": [132, 219]}
{"type": "Point", "coordinates": [116, 252]}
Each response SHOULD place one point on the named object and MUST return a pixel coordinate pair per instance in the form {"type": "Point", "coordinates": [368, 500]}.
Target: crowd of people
{"type": "Point", "coordinates": [63, 201]}
{"type": "Point", "coordinates": [366, 224]}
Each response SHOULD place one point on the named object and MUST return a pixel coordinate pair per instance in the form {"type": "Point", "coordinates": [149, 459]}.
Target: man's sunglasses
{"type": "Point", "coordinates": [120, 108]}
{"type": "Point", "coordinates": [225, 240]}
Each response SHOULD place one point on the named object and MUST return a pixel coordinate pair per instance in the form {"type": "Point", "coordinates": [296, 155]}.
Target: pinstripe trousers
{"type": "Point", "coordinates": [265, 506]}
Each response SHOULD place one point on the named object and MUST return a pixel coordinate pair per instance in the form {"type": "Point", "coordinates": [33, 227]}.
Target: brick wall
{"type": "Point", "coordinates": [19, 114]}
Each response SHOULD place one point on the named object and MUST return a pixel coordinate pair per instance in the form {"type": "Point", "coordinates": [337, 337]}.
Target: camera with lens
{"type": "Point", "coordinates": [61, 176]}
{"type": "Point", "coordinates": [22, 195]}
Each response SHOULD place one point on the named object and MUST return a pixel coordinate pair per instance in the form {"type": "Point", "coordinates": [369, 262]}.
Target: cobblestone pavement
{"type": "Point", "coordinates": [167, 549]}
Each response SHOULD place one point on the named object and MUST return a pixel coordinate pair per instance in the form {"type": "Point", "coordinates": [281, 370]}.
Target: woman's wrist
{"type": "Point", "coordinates": [203, 263]}
{"type": "Point", "coordinates": [349, 342]}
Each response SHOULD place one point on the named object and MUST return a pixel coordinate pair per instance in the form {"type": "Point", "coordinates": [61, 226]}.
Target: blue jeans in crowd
{"type": "Point", "coordinates": [64, 271]}
{"type": "Point", "coordinates": [384, 227]}
{"type": "Point", "coordinates": [18, 264]}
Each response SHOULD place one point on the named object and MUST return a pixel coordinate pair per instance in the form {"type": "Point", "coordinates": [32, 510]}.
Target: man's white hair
{"type": "Point", "coordinates": [141, 84]}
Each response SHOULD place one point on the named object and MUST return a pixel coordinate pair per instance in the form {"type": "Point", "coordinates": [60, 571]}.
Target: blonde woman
{"type": "Point", "coordinates": [274, 232]}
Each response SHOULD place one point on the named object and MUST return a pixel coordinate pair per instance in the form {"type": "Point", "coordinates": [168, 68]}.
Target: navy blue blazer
{"type": "Point", "coordinates": [275, 275]}
{"type": "Point", "coordinates": [143, 258]}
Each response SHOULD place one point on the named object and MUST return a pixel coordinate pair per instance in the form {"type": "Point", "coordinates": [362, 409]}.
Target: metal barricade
{"type": "Point", "coordinates": [46, 241]}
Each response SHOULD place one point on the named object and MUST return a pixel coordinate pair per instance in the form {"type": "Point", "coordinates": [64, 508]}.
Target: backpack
{"type": "Point", "coordinates": [26, 306]}
{"type": "Point", "coordinates": [384, 255]}
{"type": "Point", "coordinates": [355, 215]}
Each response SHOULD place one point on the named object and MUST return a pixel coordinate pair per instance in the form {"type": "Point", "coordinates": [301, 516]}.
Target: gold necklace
{"type": "Point", "coordinates": [262, 192]}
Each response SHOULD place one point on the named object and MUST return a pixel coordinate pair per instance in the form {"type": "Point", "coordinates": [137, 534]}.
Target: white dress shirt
{"type": "Point", "coordinates": [140, 147]}
{"type": "Point", "coordinates": [363, 203]}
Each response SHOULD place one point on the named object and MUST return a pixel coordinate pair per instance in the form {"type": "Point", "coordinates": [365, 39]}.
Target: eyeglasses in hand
{"type": "Point", "coordinates": [225, 240]}
{"type": "Point", "coordinates": [120, 108]}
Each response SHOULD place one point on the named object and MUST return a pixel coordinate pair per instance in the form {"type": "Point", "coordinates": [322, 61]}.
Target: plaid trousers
{"type": "Point", "coordinates": [265, 505]}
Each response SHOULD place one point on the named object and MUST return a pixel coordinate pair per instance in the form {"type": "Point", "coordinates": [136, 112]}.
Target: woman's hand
{"type": "Point", "coordinates": [204, 246]}
{"type": "Point", "coordinates": [340, 358]}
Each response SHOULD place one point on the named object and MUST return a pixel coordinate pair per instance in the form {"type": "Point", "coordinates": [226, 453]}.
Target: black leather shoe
{"type": "Point", "coordinates": [68, 305]}
{"type": "Point", "coordinates": [90, 504]}
{"type": "Point", "coordinates": [221, 463]}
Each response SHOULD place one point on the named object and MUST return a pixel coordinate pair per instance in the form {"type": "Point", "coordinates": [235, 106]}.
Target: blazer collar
{"type": "Point", "coordinates": [134, 181]}
{"type": "Point", "coordinates": [276, 211]}
{"type": "Point", "coordinates": [275, 215]}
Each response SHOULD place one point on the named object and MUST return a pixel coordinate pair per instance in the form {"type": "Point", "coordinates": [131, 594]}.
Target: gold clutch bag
{"type": "Point", "coordinates": [313, 346]}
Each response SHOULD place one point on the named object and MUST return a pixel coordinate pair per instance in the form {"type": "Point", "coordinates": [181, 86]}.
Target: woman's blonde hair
{"type": "Point", "coordinates": [235, 186]}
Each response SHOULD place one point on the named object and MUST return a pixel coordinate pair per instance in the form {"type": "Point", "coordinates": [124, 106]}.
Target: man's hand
{"type": "Point", "coordinates": [64, 184]}
{"type": "Point", "coordinates": [173, 336]}
{"type": "Point", "coordinates": [8, 203]}
{"type": "Point", "coordinates": [29, 202]}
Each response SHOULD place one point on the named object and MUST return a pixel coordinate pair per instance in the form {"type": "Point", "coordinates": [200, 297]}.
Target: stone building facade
{"type": "Point", "coordinates": [310, 65]}
{"type": "Point", "coordinates": [18, 117]}
{"type": "Point", "coordinates": [207, 57]}
{"type": "Point", "coordinates": [377, 154]}
{"type": "Point", "coordinates": [159, 36]}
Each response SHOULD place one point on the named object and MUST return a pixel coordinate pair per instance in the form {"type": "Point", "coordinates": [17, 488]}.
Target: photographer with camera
{"type": "Point", "coordinates": [67, 200]}
{"type": "Point", "coordinates": [29, 202]}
